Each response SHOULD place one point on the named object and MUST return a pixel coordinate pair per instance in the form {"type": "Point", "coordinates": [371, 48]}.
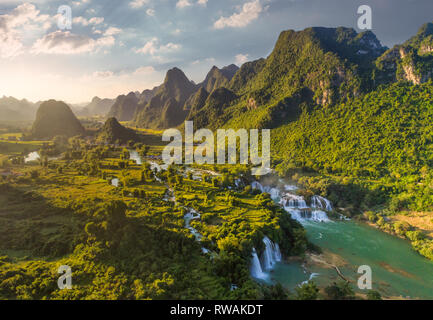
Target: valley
{"type": "Point", "coordinates": [350, 181]}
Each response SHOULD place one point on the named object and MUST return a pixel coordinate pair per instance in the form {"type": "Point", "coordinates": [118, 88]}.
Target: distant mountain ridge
{"type": "Point", "coordinates": [314, 67]}
{"type": "Point", "coordinates": [97, 107]}
{"type": "Point", "coordinates": [217, 78]}
{"type": "Point", "coordinates": [172, 102]}
{"type": "Point", "coordinates": [124, 107]}
{"type": "Point", "coordinates": [12, 109]}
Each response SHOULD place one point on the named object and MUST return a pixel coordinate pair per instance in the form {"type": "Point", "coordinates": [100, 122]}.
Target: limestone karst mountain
{"type": "Point", "coordinates": [113, 132]}
{"type": "Point", "coordinates": [411, 61]}
{"type": "Point", "coordinates": [97, 107]}
{"type": "Point", "coordinates": [125, 107]}
{"type": "Point", "coordinates": [166, 108]}
{"type": "Point", "coordinates": [55, 118]}
{"type": "Point", "coordinates": [12, 109]}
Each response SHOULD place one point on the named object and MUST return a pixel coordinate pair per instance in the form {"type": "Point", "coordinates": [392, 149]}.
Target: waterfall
{"type": "Point", "coordinates": [295, 213]}
{"type": "Point", "coordinates": [312, 276]}
{"type": "Point", "coordinates": [257, 185]}
{"type": "Point", "coordinates": [274, 192]}
{"type": "Point", "coordinates": [319, 202]}
{"type": "Point", "coordinates": [319, 216]}
{"type": "Point", "coordinates": [115, 182]}
{"type": "Point", "coordinates": [307, 214]}
{"type": "Point", "coordinates": [256, 268]}
{"type": "Point", "coordinates": [289, 187]}
{"type": "Point", "coordinates": [133, 155]}
{"type": "Point", "coordinates": [32, 156]}
{"type": "Point", "coordinates": [290, 200]}
{"type": "Point", "coordinates": [154, 165]}
{"type": "Point", "coordinates": [300, 211]}
{"type": "Point", "coordinates": [271, 255]}
{"type": "Point", "coordinates": [194, 215]}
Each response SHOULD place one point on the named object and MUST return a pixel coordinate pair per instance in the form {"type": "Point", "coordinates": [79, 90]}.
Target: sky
{"type": "Point", "coordinates": [114, 47]}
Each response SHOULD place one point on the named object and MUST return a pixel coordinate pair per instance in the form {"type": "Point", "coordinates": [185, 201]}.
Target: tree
{"type": "Point", "coordinates": [307, 291]}
{"type": "Point", "coordinates": [339, 291]}
{"type": "Point", "coordinates": [373, 295]}
{"type": "Point", "coordinates": [116, 214]}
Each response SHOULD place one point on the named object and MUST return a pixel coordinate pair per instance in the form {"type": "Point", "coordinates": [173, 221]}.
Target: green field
{"type": "Point", "coordinates": [130, 242]}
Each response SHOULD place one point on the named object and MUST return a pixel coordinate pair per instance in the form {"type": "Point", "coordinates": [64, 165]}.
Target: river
{"type": "Point", "coordinates": [397, 270]}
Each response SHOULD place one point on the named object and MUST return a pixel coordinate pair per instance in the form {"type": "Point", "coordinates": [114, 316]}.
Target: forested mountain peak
{"type": "Point", "coordinates": [124, 107]}
{"type": "Point", "coordinates": [113, 132]}
{"type": "Point", "coordinates": [411, 61]}
{"type": "Point", "coordinates": [217, 78]}
{"type": "Point", "coordinates": [55, 118]}
{"type": "Point", "coordinates": [166, 108]}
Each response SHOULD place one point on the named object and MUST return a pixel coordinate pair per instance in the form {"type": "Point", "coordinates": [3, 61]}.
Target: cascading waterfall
{"type": "Point", "coordinates": [115, 182]}
{"type": "Point", "coordinates": [193, 215]}
{"type": "Point", "coordinates": [299, 210]}
{"type": "Point", "coordinates": [290, 200]}
{"type": "Point", "coordinates": [133, 155]}
{"type": "Point", "coordinates": [32, 156]}
{"type": "Point", "coordinates": [319, 216]}
{"type": "Point", "coordinates": [271, 255]}
{"type": "Point", "coordinates": [319, 202]}
{"type": "Point", "coordinates": [274, 192]}
{"type": "Point", "coordinates": [256, 267]}
{"type": "Point", "coordinates": [289, 187]}
{"type": "Point", "coordinates": [257, 185]}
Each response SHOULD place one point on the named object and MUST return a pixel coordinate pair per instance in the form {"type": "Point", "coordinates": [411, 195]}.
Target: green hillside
{"type": "Point", "coordinates": [55, 118]}
{"type": "Point", "coordinates": [113, 132]}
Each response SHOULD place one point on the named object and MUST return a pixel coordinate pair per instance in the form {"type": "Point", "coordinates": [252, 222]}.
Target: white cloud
{"type": "Point", "coordinates": [169, 47]}
{"type": "Point", "coordinates": [153, 47]}
{"type": "Point", "coordinates": [80, 2]}
{"type": "Point", "coordinates": [10, 47]}
{"type": "Point", "coordinates": [18, 23]}
{"type": "Point", "coordinates": [177, 32]}
{"type": "Point", "coordinates": [150, 47]}
{"type": "Point", "coordinates": [85, 22]}
{"type": "Point", "coordinates": [250, 11]}
{"type": "Point", "coordinates": [144, 70]}
{"type": "Point", "coordinates": [183, 4]}
{"type": "Point", "coordinates": [202, 2]}
{"type": "Point", "coordinates": [207, 60]}
{"type": "Point", "coordinates": [111, 31]}
{"type": "Point", "coordinates": [150, 12]}
{"type": "Point", "coordinates": [60, 42]}
{"type": "Point", "coordinates": [138, 3]}
{"type": "Point", "coordinates": [187, 3]}
{"type": "Point", "coordinates": [241, 59]}
{"type": "Point", "coordinates": [103, 74]}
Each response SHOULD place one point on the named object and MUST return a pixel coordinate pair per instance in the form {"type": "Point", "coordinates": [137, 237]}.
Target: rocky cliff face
{"type": "Point", "coordinates": [217, 78]}
{"type": "Point", "coordinates": [166, 108]}
{"type": "Point", "coordinates": [411, 61]}
{"type": "Point", "coordinates": [125, 107]}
